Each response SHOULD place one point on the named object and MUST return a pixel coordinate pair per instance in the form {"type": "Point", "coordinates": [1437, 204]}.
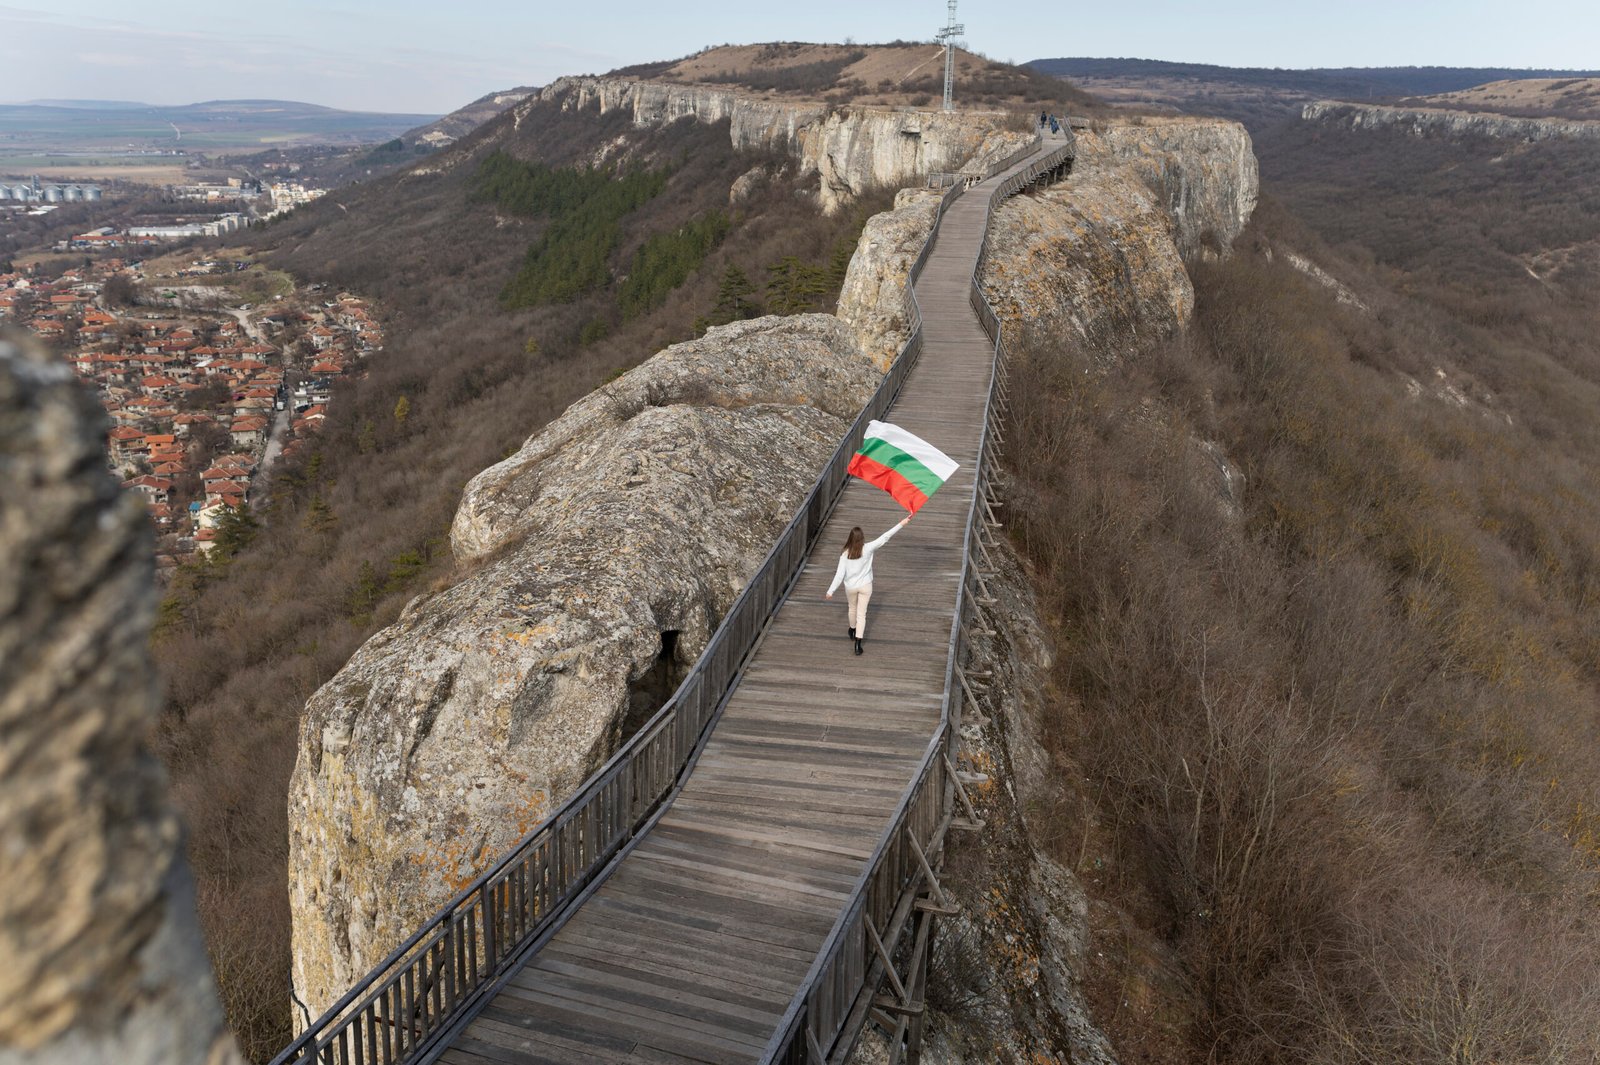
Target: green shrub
{"type": "Point", "coordinates": [666, 260]}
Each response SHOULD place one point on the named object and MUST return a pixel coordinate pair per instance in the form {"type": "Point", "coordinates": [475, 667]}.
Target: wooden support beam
{"type": "Point", "coordinates": [927, 871]}
{"type": "Point", "coordinates": [961, 791]}
{"type": "Point", "coordinates": [889, 1005]}
{"type": "Point", "coordinates": [814, 1051]}
{"type": "Point", "coordinates": [877, 944]}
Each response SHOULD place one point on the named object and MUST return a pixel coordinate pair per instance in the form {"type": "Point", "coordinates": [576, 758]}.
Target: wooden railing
{"type": "Point", "coordinates": [419, 992]}
{"type": "Point", "coordinates": [831, 1007]}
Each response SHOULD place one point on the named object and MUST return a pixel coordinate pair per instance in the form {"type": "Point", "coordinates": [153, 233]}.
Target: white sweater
{"type": "Point", "coordinates": [857, 572]}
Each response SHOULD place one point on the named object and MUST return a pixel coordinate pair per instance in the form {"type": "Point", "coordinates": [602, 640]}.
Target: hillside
{"type": "Point", "coordinates": [899, 74]}
{"type": "Point", "coordinates": [1257, 95]}
{"type": "Point", "coordinates": [464, 120]}
{"type": "Point", "coordinates": [1568, 98]}
{"type": "Point", "coordinates": [215, 126]}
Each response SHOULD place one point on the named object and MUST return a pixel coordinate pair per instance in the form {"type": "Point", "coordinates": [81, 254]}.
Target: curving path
{"type": "Point", "coordinates": [692, 950]}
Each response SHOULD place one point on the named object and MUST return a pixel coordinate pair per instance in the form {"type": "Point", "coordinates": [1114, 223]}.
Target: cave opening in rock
{"type": "Point", "coordinates": [648, 692]}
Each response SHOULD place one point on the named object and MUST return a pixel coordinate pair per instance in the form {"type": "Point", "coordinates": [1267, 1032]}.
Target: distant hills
{"type": "Point", "coordinates": [1323, 81]}
{"type": "Point", "coordinates": [1261, 96]}
{"type": "Point", "coordinates": [464, 120]}
{"type": "Point", "coordinates": [1566, 98]}
{"type": "Point", "coordinates": [212, 126]}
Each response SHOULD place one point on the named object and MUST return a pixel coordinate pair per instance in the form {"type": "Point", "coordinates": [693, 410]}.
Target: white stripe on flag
{"type": "Point", "coordinates": [938, 463]}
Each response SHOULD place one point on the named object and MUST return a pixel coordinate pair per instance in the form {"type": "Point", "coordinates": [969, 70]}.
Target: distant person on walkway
{"type": "Point", "coordinates": [1043, 119]}
{"type": "Point", "coordinates": [855, 572]}
{"type": "Point", "coordinates": [1055, 127]}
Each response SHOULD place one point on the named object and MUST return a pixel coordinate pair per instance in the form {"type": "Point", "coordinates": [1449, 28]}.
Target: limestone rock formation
{"type": "Point", "coordinates": [598, 558]}
{"type": "Point", "coordinates": [870, 299]}
{"type": "Point", "coordinates": [851, 149]}
{"type": "Point", "coordinates": [1439, 122]}
{"type": "Point", "coordinates": [103, 958]}
{"type": "Point", "coordinates": [1203, 171]}
{"type": "Point", "coordinates": [1102, 254]}
{"type": "Point", "coordinates": [602, 555]}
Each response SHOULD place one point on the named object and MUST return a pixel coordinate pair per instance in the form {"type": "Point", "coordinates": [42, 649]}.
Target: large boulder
{"type": "Point", "coordinates": [600, 558]}
{"type": "Point", "coordinates": [103, 957]}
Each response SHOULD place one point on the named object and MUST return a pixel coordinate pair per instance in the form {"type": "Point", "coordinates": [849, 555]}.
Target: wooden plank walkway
{"type": "Point", "coordinates": [693, 948]}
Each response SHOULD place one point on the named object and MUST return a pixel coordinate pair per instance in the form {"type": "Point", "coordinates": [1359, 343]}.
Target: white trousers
{"type": "Point", "coordinates": [858, 608]}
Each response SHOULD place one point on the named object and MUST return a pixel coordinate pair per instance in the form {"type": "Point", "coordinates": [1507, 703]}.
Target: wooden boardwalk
{"type": "Point", "coordinates": [692, 950]}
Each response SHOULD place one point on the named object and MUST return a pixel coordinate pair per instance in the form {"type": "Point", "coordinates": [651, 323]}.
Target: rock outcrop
{"type": "Point", "coordinates": [1102, 255]}
{"type": "Point", "coordinates": [851, 149]}
{"type": "Point", "coordinates": [602, 555]}
{"type": "Point", "coordinates": [872, 297]}
{"type": "Point", "coordinates": [103, 958]}
{"type": "Point", "coordinates": [1424, 122]}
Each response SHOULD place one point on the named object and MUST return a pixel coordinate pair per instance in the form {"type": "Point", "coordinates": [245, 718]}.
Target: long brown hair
{"type": "Point", "coordinates": [853, 542]}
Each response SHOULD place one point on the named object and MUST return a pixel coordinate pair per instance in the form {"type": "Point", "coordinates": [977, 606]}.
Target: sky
{"type": "Point", "coordinates": [425, 58]}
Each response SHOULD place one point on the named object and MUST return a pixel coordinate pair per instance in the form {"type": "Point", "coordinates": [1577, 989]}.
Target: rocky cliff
{"type": "Point", "coordinates": [850, 149]}
{"type": "Point", "coordinates": [103, 959]}
{"type": "Point", "coordinates": [872, 298]}
{"type": "Point", "coordinates": [599, 559]}
{"type": "Point", "coordinates": [1440, 122]}
{"type": "Point", "coordinates": [1102, 254]}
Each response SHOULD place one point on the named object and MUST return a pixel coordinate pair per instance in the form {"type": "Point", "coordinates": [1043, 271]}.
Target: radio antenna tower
{"type": "Point", "coordinates": [952, 29]}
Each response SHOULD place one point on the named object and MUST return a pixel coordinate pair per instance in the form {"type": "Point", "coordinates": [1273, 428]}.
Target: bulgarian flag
{"type": "Point", "coordinates": [907, 467]}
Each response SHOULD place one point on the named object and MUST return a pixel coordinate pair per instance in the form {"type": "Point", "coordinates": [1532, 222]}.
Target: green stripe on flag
{"type": "Point", "coordinates": [906, 465]}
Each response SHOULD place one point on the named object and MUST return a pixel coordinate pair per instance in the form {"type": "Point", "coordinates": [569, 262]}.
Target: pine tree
{"type": "Point", "coordinates": [364, 595]}
{"type": "Point", "coordinates": [794, 287]}
{"type": "Point", "coordinates": [736, 298]}
{"type": "Point", "coordinates": [236, 529]}
{"type": "Point", "coordinates": [320, 517]}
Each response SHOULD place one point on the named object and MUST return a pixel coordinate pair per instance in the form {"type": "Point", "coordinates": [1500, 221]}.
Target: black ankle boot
{"type": "Point", "coordinates": [858, 642]}
{"type": "Point", "coordinates": [852, 633]}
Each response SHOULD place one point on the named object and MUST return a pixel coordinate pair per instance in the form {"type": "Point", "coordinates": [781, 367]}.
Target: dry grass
{"type": "Point", "coordinates": [897, 75]}
{"type": "Point", "coordinates": [1571, 98]}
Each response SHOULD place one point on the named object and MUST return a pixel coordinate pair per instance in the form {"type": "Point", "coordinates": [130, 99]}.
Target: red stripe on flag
{"type": "Point", "coordinates": [875, 473]}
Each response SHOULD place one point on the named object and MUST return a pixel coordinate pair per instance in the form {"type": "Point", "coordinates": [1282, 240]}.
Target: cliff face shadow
{"type": "Point", "coordinates": [650, 691]}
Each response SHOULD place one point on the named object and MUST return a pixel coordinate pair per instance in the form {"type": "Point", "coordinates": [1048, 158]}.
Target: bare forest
{"type": "Point", "coordinates": [1322, 576]}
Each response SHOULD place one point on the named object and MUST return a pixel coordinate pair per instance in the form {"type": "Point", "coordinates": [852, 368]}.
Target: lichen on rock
{"type": "Point", "coordinates": [103, 958]}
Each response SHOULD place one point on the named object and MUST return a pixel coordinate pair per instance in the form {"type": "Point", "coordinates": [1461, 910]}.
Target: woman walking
{"type": "Point", "coordinates": [855, 572]}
